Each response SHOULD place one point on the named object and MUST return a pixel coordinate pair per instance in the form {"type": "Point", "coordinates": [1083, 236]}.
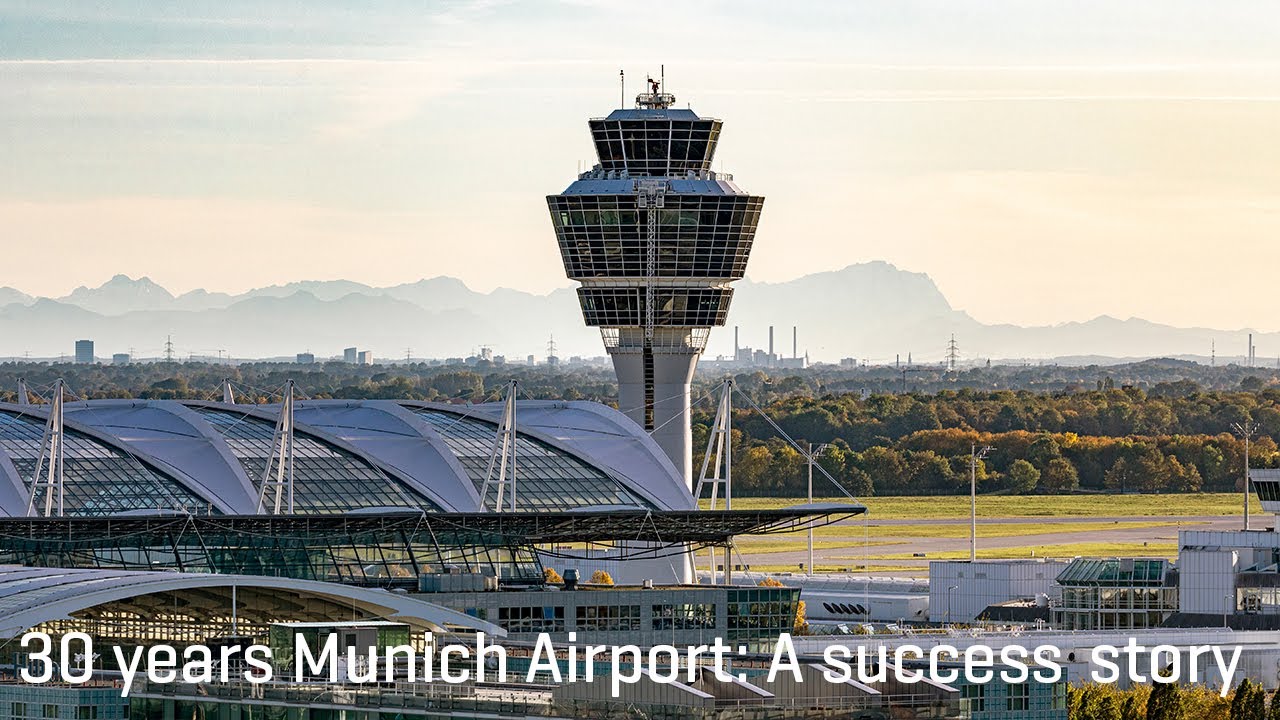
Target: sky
{"type": "Point", "coordinates": [1042, 161]}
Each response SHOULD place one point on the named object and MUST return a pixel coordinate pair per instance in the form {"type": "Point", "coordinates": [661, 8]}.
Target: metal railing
{"type": "Point", "coordinates": [539, 701]}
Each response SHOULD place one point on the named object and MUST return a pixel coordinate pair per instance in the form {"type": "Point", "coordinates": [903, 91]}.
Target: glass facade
{"type": "Point", "coordinates": [758, 611]}
{"type": "Point", "coordinates": [368, 550]}
{"type": "Point", "coordinates": [682, 307]}
{"type": "Point", "coordinates": [1116, 594]}
{"type": "Point", "coordinates": [547, 478]}
{"type": "Point", "coordinates": [1030, 700]}
{"type": "Point", "coordinates": [326, 479]}
{"type": "Point", "coordinates": [699, 236]}
{"type": "Point", "coordinates": [685, 616]}
{"type": "Point", "coordinates": [97, 479]}
{"type": "Point", "coordinates": [657, 145]}
{"type": "Point", "coordinates": [93, 701]}
{"type": "Point", "coordinates": [608, 618]}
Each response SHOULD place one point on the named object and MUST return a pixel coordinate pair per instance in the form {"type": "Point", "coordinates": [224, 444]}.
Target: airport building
{"type": "Point", "coordinates": [655, 237]}
{"type": "Point", "coordinates": [185, 522]}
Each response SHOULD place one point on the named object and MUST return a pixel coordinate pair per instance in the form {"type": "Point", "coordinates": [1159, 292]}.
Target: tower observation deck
{"type": "Point", "coordinates": [655, 238]}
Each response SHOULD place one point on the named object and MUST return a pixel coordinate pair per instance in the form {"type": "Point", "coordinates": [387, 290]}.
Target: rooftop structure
{"type": "Point", "coordinates": [655, 238]}
{"type": "Point", "coordinates": [209, 458]}
{"type": "Point", "coordinates": [1116, 594]}
{"type": "Point", "coordinates": [107, 603]}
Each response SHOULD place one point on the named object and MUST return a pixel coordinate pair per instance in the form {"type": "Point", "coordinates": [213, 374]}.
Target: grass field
{"type": "Point", "coordinates": [875, 533]}
{"type": "Point", "coordinates": [1030, 506]}
{"type": "Point", "coordinates": [1064, 550]}
{"type": "Point", "coordinates": [885, 539]}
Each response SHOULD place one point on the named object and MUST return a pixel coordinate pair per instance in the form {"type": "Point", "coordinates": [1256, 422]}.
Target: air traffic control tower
{"type": "Point", "coordinates": [656, 238]}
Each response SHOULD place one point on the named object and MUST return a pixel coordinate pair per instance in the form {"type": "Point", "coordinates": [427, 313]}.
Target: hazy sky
{"type": "Point", "coordinates": [1042, 161]}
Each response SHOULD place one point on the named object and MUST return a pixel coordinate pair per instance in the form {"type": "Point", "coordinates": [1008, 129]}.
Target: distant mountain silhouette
{"type": "Point", "coordinates": [120, 294]}
{"type": "Point", "coordinates": [868, 311]}
{"type": "Point", "coordinates": [9, 296]}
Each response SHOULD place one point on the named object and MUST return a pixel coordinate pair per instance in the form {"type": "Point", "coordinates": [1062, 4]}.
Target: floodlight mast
{"type": "Point", "coordinates": [975, 454]}
{"type": "Point", "coordinates": [811, 453]}
{"type": "Point", "coordinates": [1246, 430]}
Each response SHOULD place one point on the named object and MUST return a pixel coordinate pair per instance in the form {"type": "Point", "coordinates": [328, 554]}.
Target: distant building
{"type": "Point", "coordinates": [120, 359]}
{"type": "Point", "coordinates": [349, 355]}
{"type": "Point", "coordinates": [365, 357]}
{"type": "Point", "coordinates": [306, 358]}
{"type": "Point", "coordinates": [84, 352]}
{"type": "Point", "coordinates": [960, 590]}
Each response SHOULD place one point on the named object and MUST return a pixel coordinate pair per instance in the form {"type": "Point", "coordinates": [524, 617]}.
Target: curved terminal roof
{"type": "Point", "coordinates": [349, 455]}
{"type": "Point", "coordinates": [33, 596]}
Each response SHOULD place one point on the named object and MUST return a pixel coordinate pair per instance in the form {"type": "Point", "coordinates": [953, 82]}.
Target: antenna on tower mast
{"type": "Point", "coordinates": [622, 82]}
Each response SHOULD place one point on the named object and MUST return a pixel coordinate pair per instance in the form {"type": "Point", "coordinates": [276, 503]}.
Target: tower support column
{"type": "Point", "coordinates": [670, 392]}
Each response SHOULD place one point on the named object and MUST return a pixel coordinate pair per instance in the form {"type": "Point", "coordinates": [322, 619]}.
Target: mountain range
{"type": "Point", "coordinates": [871, 311]}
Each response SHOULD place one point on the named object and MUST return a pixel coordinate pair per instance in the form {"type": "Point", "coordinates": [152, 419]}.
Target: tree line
{"type": "Point", "coordinates": [1173, 438]}
{"type": "Point", "coordinates": [1248, 701]}
{"type": "Point", "coordinates": [1170, 435]}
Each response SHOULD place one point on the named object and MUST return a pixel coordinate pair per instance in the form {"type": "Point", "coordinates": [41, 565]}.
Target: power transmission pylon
{"type": "Point", "coordinates": [953, 354]}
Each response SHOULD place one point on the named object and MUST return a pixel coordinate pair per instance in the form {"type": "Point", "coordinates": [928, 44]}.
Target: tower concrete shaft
{"type": "Point", "coordinates": [655, 238]}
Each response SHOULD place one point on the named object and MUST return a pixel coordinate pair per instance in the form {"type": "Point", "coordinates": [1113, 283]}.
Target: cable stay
{"type": "Point", "coordinates": [503, 455]}
{"type": "Point", "coordinates": [791, 441]}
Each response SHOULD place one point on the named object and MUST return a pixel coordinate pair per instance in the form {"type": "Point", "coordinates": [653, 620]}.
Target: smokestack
{"type": "Point", "coordinates": [771, 344]}
{"type": "Point", "coordinates": [795, 346]}
{"type": "Point", "coordinates": [735, 342]}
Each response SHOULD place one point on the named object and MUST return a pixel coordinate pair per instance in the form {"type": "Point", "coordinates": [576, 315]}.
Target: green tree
{"type": "Point", "coordinates": [1165, 703]}
{"type": "Point", "coordinates": [1256, 705]}
{"type": "Point", "coordinates": [1130, 708]}
{"type": "Point", "coordinates": [1023, 477]}
{"type": "Point", "coordinates": [1107, 709]}
{"type": "Point", "coordinates": [1059, 477]}
{"type": "Point", "coordinates": [1239, 699]}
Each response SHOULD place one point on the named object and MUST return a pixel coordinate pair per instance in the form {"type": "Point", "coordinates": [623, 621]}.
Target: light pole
{"type": "Point", "coordinates": [808, 569]}
{"type": "Point", "coordinates": [953, 587]}
{"type": "Point", "coordinates": [975, 454]}
{"type": "Point", "coordinates": [1230, 600]}
{"type": "Point", "coordinates": [1246, 430]}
